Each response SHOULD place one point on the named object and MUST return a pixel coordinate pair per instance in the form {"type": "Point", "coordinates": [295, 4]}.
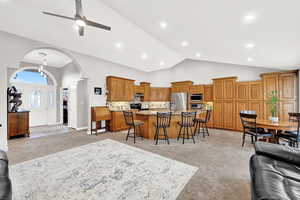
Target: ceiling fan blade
{"type": "Point", "coordinates": [61, 16]}
{"type": "Point", "coordinates": [79, 12]}
{"type": "Point", "coordinates": [91, 23]}
{"type": "Point", "coordinates": [81, 30]}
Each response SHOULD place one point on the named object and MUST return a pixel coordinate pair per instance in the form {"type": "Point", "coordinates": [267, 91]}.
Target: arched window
{"type": "Point", "coordinates": [30, 76]}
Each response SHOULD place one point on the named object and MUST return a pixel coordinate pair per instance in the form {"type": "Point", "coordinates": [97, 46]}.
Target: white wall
{"type": "Point", "coordinates": [3, 109]}
{"type": "Point", "coordinates": [202, 72]}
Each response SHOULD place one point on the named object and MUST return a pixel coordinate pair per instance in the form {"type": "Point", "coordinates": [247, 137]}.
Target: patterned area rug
{"type": "Point", "coordinates": [105, 170]}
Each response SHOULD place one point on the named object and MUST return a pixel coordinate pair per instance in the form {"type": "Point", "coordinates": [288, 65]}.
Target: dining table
{"type": "Point", "coordinates": [277, 128]}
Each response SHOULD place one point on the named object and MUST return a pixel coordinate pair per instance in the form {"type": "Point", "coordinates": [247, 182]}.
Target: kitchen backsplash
{"type": "Point", "coordinates": [119, 106]}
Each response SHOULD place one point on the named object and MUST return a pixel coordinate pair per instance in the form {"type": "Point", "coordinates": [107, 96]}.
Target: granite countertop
{"type": "Point", "coordinates": [154, 112]}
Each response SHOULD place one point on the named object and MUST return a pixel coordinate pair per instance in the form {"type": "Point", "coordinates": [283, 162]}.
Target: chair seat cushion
{"type": "Point", "coordinates": [200, 120]}
{"type": "Point", "coordinates": [274, 179]}
{"type": "Point", "coordinates": [291, 135]}
{"type": "Point", "coordinates": [185, 124]}
{"type": "Point", "coordinates": [260, 132]}
{"type": "Point", "coordinates": [138, 123]}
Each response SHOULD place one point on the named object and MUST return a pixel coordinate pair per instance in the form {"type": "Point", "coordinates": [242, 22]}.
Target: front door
{"type": "Point", "coordinates": [40, 100]}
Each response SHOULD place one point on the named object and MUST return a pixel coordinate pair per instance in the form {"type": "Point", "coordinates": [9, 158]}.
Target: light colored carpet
{"type": "Point", "coordinates": [105, 170]}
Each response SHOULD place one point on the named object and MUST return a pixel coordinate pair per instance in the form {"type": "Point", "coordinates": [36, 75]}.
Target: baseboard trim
{"type": "Point", "coordinates": [81, 128]}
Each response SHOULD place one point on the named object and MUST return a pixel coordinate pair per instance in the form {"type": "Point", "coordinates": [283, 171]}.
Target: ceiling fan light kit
{"type": "Point", "coordinates": [80, 20]}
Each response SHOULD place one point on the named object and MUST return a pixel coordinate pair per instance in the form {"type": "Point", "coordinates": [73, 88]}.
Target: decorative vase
{"type": "Point", "coordinates": [274, 119]}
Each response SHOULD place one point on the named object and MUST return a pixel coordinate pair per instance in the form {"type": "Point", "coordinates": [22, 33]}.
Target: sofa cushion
{"type": "Point", "coordinates": [5, 188]}
{"type": "Point", "coordinates": [278, 152]}
{"type": "Point", "coordinates": [273, 179]}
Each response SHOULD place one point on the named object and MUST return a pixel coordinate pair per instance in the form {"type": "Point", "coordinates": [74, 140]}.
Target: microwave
{"type": "Point", "coordinates": [197, 97]}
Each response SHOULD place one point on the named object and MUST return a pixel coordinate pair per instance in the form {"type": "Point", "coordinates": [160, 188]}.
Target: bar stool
{"type": "Point", "coordinates": [133, 124]}
{"type": "Point", "coordinates": [187, 122]}
{"type": "Point", "coordinates": [201, 124]}
{"type": "Point", "coordinates": [162, 122]}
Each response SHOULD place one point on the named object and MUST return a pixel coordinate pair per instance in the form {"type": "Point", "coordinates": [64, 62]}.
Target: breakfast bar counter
{"type": "Point", "coordinates": [149, 119]}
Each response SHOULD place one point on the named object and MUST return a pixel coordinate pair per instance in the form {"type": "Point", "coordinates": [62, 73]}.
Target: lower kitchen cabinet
{"type": "Point", "coordinates": [224, 114]}
{"type": "Point", "coordinates": [117, 122]}
{"type": "Point", "coordinates": [240, 106]}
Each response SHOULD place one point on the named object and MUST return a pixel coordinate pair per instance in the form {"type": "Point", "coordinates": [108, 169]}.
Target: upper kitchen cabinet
{"type": "Point", "coordinates": [119, 89]}
{"type": "Point", "coordinates": [224, 88]}
{"type": "Point", "coordinates": [160, 94]}
{"type": "Point", "coordinates": [196, 89]}
{"type": "Point", "coordinates": [208, 93]}
{"type": "Point", "coordinates": [288, 86]}
{"type": "Point", "coordinates": [242, 91]}
{"type": "Point", "coordinates": [182, 86]}
{"type": "Point", "coordinates": [256, 90]}
{"type": "Point", "coordinates": [270, 83]}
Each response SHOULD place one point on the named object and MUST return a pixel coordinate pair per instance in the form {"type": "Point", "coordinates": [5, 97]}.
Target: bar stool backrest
{"type": "Point", "coordinates": [128, 115]}
{"type": "Point", "coordinates": [207, 116]}
{"type": "Point", "coordinates": [188, 118]}
{"type": "Point", "coordinates": [163, 119]}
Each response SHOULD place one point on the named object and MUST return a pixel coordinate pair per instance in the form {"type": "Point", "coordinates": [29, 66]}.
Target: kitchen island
{"type": "Point", "coordinates": [149, 119]}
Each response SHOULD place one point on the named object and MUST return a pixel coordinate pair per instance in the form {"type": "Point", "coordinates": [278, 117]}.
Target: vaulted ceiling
{"type": "Point", "coordinates": [157, 34]}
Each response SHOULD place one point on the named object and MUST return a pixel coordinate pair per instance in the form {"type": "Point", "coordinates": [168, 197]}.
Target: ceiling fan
{"type": "Point", "coordinates": [80, 20]}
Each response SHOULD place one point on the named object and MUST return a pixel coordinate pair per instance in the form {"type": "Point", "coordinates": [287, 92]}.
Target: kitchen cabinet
{"type": "Point", "coordinates": [117, 122]}
{"type": "Point", "coordinates": [160, 94]}
{"type": "Point", "coordinates": [270, 83]}
{"type": "Point", "coordinates": [285, 107]}
{"type": "Point", "coordinates": [256, 90]}
{"type": "Point", "coordinates": [229, 115]}
{"type": "Point", "coordinates": [196, 89]}
{"type": "Point", "coordinates": [119, 89]}
{"type": "Point", "coordinates": [258, 107]}
{"type": "Point", "coordinates": [242, 91]}
{"type": "Point", "coordinates": [182, 86]}
{"type": "Point", "coordinates": [218, 114]}
{"type": "Point", "coordinates": [208, 93]}
{"type": "Point", "coordinates": [138, 89]}
{"type": "Point", "coordinates": [224, 102]}
{"type": "Point", "coordinates": [286, 85]}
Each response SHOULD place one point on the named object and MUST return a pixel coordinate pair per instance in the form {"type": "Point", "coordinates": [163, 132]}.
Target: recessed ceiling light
{"type": "Point", "coordinates": [144, 56]}
{"type": "Point", "coordinates": [163, 25]}
{"type": "Point", "coordinates": [119, 45]}
{"type": "Point", "coordinates": [249, 18]}
{"type": "Point", "coordinates": [162, 63]}
{"type": "Point", "coordinates": [184, 43]}
{"type": "Point", "coordinates": [250, 59]}
{"type": "Point", "coordinates": [198, 54]}
{"type": "Point", "coordinates": [249, 45]}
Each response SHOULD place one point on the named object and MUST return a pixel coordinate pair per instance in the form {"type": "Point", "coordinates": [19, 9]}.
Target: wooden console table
{"type": "Point", "coordinates": [18, 124]}
{"type": "Point", "coordinates": [98, 114]}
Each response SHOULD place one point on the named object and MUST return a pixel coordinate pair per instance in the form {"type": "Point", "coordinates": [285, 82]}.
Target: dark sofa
{"type": "Point", "coordinates": [5, 184]}
{"type": "Point", "coordinates": [275, 172]}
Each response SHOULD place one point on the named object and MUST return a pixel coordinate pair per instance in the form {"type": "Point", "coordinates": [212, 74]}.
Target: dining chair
{"type": "Point", "coordinates": [292, 137]}
{"type": "Point", "coordinates": [163, 121]}
{"type": "Point", "coordinates": [248, 119]}
{"type": "Point", "coordinates": [201, 124]}
{"type": "Point", "coordinates": [186, 124]}
{"type": "Point", "coordinates": [133, 124]}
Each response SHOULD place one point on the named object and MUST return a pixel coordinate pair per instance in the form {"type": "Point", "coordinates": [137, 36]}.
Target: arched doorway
{"type": "Point", "coordinates": [43, 93]}
{"type": "Point", "coordinates": [39, 94]}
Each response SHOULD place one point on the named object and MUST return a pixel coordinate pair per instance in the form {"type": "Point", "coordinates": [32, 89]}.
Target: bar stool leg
{"type": "Point", "coordinates": [128, 133]}
{"type": "Point", "coordinates": [166, 135]}
{"type": "Point", "coordinates": [179, 133]}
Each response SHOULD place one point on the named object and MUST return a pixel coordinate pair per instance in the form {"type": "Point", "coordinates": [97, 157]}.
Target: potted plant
{"type": "Point", "coordinates": [273, 103]}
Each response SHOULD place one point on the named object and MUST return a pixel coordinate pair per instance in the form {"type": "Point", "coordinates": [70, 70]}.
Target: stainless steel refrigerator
{"type": "Point", "coordinates": [179, 101]}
